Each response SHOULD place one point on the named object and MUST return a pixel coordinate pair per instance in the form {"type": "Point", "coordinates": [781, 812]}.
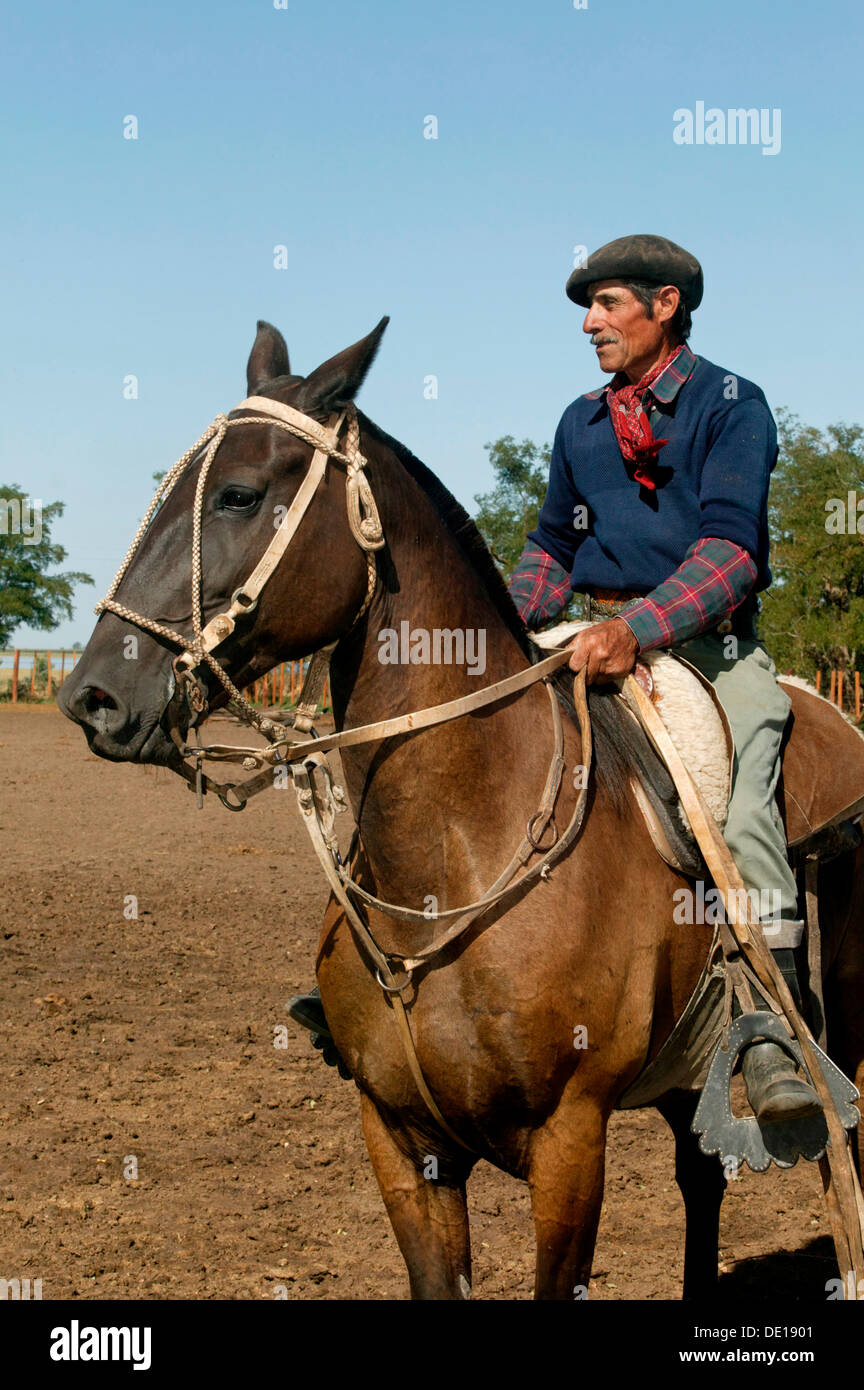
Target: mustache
{"type": "Point", "coordinates": [599, 342]}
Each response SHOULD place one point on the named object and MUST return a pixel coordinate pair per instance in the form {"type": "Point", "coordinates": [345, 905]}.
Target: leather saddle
{"type": "Point", "coordinates": [820, 812]}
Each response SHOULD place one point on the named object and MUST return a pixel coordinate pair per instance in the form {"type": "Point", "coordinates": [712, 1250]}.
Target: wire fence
{"type": "Point", "coordinates": [843, 689]}
{"type": "Point", "coordinates": [34, 675]}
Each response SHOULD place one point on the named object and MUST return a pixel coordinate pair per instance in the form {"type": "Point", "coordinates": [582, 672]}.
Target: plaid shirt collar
{"type": "Point", "coordinates": [668, 383]}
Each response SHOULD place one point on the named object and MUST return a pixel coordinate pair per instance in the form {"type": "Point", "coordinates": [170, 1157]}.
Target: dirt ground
{"type": "Point", "coordinates": [146, 1046]}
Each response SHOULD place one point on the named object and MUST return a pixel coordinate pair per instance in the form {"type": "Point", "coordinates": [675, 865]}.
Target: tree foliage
{"type": "Point", "coordinates": [507, 513]}
{"type": "Point", "coordinates": [28, 593]}
{"type": "Point", "coordinates": [813, 614]}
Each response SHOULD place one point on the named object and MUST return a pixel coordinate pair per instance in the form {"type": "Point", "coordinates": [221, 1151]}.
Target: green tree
{"type": "Point", "coordinates": [507, 513]}
{"type": "Point", "coordinates": [813, 615]}
{"type": "Point", "coordinates": [28, 594]}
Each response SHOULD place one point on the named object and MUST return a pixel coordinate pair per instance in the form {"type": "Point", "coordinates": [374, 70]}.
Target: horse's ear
{"type": "Point", "coordinates": [336, 382]}
{"type": "Point", "coordinates": [268, 358]}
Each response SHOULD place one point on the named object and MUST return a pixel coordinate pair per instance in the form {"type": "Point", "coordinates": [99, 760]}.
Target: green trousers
{"type": "Point", "coordinates": [745, 679]}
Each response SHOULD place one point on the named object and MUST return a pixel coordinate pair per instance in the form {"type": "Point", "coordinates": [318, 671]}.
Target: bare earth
{"type": "Point", "coordinates": [148, 1045]}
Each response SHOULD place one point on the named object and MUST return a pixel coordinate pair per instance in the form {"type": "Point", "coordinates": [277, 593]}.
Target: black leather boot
{"type": "Point", "coordinates": [777, 1092]}
{"type": "Point", "coordinates": [308, 1010]}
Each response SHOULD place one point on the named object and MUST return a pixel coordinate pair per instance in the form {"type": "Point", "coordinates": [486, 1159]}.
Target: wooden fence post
{"type": "Point", "coordinates": [857, 694]}
{"type": "Point", "coordinates": [15, 676]}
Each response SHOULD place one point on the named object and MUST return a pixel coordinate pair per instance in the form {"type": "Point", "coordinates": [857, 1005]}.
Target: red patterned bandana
{"type": "Point", "coordinates": [631, 425]}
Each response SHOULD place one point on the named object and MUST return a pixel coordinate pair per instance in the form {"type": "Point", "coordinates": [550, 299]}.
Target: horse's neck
{"type": "Point", "coordinates": [439, 811]}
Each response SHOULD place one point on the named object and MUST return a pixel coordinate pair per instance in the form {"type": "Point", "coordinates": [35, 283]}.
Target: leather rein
{"type": "Point", "coordinates": [318, 797]}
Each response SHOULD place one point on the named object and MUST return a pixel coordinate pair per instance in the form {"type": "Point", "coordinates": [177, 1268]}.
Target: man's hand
{"type": "Point", "coordinates": [608, 650]}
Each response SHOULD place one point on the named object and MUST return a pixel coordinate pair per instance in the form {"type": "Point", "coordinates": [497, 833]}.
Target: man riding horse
{"type": "Point", "coordinates": [669, 550]}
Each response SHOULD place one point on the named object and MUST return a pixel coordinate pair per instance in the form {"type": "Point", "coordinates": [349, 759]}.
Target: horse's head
{"type": "Point", "coordinates": [241, 482]}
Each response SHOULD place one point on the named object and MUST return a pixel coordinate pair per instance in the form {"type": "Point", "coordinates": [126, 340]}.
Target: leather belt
{"type": "Point", "coordinates": [600, 604]}
{"type": "Point", "coordinates": [606, 603]}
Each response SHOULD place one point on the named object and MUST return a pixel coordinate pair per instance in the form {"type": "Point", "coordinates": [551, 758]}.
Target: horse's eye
{"type": "Point", "coordinates": [238, 499]}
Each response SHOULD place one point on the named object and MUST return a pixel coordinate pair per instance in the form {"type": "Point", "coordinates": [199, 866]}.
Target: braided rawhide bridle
{"type": "Point", "coordinates": [362, 517]}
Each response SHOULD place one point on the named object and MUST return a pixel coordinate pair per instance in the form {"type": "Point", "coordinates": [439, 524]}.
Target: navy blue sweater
{"type": "Point", "coordinates": [722, 449]}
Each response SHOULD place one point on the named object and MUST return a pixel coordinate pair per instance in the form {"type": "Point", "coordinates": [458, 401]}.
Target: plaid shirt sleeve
{"type": "Point", "coordinates": [539, 586]}
{"type": "Point", "coordinates": [713, 579]}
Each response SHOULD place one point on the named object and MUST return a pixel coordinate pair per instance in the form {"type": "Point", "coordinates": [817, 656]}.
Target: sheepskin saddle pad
{"type": "Point", "coordinates": [688, 707]}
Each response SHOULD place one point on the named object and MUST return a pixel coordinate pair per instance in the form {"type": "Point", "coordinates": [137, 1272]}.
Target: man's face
{"type": "Point", "coordinates": [624, 337]}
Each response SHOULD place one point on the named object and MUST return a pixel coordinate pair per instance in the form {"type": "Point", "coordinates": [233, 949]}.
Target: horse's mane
{"type": "Point", "coordinates": [617, 741]}
{"type": "Point", "coordinates": [462, 527]}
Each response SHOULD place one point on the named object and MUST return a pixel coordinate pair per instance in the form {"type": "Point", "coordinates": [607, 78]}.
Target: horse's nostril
{"type": "Point", "coordinates": [98, 699]}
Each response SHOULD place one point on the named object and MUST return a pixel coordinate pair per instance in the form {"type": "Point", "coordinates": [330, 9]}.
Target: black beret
{"type": "Point", "coordinates": [651, 258]}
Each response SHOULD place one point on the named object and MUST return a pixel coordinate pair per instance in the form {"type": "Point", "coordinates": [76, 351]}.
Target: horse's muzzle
{"type": "Point", "coordinates": [114, 730]}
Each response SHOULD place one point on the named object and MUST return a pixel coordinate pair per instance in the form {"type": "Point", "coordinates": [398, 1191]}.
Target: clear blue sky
{"type": "Point", "coordinates": [303, 126]}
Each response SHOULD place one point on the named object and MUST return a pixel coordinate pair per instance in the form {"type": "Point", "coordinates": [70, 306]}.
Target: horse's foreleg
{"type": "Point", "coordinates": [565, 1176]}
{"type": "Point", "coordinates": [843, 996]}
{"type": "Point", "coordinates": [428, 1213]}
{"type": "Point", "coordinates": [702, 1182]}
{"type": "Point", "coordinates": [841, 908]}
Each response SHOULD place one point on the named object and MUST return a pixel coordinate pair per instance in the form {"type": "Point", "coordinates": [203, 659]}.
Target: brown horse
{"type": "Point", "coordinates": [533, 1024]}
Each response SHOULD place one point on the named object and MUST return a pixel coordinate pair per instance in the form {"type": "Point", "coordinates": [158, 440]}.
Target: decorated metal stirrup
{"type": "Point", "coordinates": [741, 1139]}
